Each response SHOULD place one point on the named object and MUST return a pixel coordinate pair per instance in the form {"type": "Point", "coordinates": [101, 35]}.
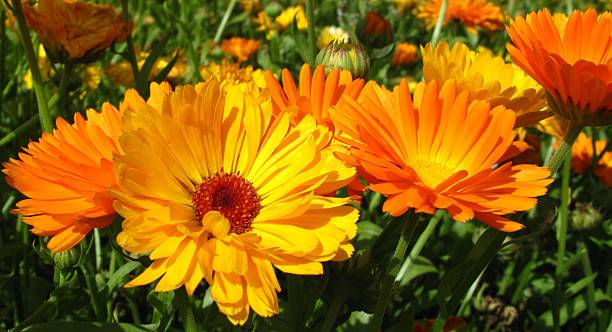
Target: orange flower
{"type": "Point", "coordinates": [471, 13]}
{"type": "Point", "coordinates": [67, 175]}
{"type": "Point", "coordinates": [582, 158]}
{"type": "Point", "coordinates": [571, 58]}
{"type": "Point", "coordinates": [240, 48]}
{"type": "Point", "coordinates": [441, 151]}
{"type": "Point", "coordinates": [405, 53]}
{"type": "Point", "coordinates": [75, 29]}
{"type": "Point", "coordinates": [316, 92]}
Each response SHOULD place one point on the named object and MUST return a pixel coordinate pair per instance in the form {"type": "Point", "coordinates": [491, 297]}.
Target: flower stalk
{"type": "Point", "coordinates": [566, 146]}
{"type": "Point", "coordinates": [438, 27]}
{"type": "Point", "coordinates": [561, 240]}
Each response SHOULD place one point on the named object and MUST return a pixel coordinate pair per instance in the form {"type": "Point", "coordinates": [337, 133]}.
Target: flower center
{"type": "Point", "coordinates": [231, 195]}
{"type": "Point", "coordinates": [431, 172]}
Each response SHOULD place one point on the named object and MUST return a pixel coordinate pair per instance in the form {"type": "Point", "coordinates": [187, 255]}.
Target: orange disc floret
{"type": "Point", "coordinates": [66, 176]}
{"type": "Point", "coordinates": [571, 58]}
{"type": "Point", "coordinates": [442, 151]}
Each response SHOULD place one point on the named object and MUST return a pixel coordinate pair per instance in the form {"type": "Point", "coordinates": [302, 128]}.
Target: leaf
{"type": "Point", "coordinates": [580, 285]}
{"type": "Point", "coordinates": [301, 42]}
{"type": "Point", "coordinates": [570, 310]}
{"type": "Point", "coordinates": [89, 327]}
{"type": "Point", "coordinates": [155, 54]}
{"type": "Point", "coordinates": [163, 74]}
{"type": "Point", "coordinates": [367, 233]}
{"type": "Point", "coordinates": [419, 266]}
{"type": "Point", "coordinates": [118, 276]}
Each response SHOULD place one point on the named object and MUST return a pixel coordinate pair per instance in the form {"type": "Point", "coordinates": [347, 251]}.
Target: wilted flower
{"type": "Point", "coordinates": [582, 158]}
{"type": "Point", "coordinates": [375, 31]}
{"type": "Point", "coordinates": [344, 54]}
{"type": "Point", "coordinates": [290, 14]}
{"type": "Point", "coordinates": [471, 13]}
{"type": "Point", "coordinates": [405, 53]}
{"type": "Point", "coordinates": [76, 30]}
{"type": "Point", "coordinates": [572, 59]}
{"type": "Point", "coordinates": [240, 48]}
{"type": "Point", "coordinates": [329, 34]}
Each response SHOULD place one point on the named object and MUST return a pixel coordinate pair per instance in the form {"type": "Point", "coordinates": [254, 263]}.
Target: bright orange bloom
{"type": "Point", "coordinates": [582, 158]}
{"type": "Point", "coordinates": [571, 58]}
{"type": "Point", "coordinates": [240, 48]}
{"type": "Point", "coordinates": [316, 92]}
{"type": "Point", "coordinates": [471, 13]}
{"type": "Point", "coordinates": [441, 151]}
{"type": "Point", "coordinates": [405, 53]}
{"type": "Point", "coordinates": [75, 29]}
{"type": "Point", "coordinates": [67, 176]}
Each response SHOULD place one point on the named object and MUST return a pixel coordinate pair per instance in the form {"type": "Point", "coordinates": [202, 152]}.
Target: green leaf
{"type": "Point", "coordinates": [89, 327]}
{"type": "Point", "coordinates": [118, 276]}
{"type": "Point", "coordinates": [419, 266]}
{"type": "Point", "coordinates": [301, 42]}
{"type": "Point", "coordinates": [580, 285]}
{"type": "Point", "coordinates": [155, 54]}
{"type": "Point", "coordinates": [164, 72]}
{"type": "Point", "coordinates": [570, 310]}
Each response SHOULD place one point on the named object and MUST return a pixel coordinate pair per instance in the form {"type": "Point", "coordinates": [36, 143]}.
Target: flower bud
{"type": "Point", "coordinates": [585, 217]}
{"type": "Point", "coordinates": [374, 31]}
{"type": "Point", "coordinates": [344, 54]}
{"type": "Point", "coordinates": [66, 259]}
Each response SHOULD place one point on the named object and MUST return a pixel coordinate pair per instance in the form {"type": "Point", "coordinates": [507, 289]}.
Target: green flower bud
{"type": "Point", "coordinates": [344, 54]}
{"type": "Point", "coordinates": [585, 217]}
{"type": "Point", "coordinates": [66, 259]}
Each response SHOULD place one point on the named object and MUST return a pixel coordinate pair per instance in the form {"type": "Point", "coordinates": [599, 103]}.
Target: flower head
{"type": "Point", "coordinates": [375, 31]}
{"type": "Point", "coordinates": [232, 71]}
{"type": "Point", "coordinates": [582, 158]}
{"type": "Point", "coordinates": [405, 53]}
{"type": "Point", "coordinates": [66, 176]}
{"type": "Point", "coordinates": [440, 151]}
{"type": "Point", "coordinates": [240, 48]}
{"type": "Point", "coordinates": [487, 77]}
{"type": "Point", "coordinates": [344, 54]}
{"type": "Point", "coordinates": [263, 22]}
{"type": "Point", "coordinates": [290, 14]}
{"type": "Point", "coordinates": [330, 33]}
{"type": "Point", "coordinates": [203, 186]}
{"type": "Point", "coordinates": [471, 13]}
{"type": "Point", "coordinates": [76, 30]}
{"type": "Point", "coordinates": [571, 58]}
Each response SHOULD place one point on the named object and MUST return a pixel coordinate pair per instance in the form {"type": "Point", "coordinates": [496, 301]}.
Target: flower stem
{"type": "Point", "coordinates": [409, 223]}
{"type": "Point", "coordinates": [566, 145]}
{"type": "Point", "coordinates": [311, 30]}
{"type": "Point", "coordinates": [221, 28]}
{"type": "Point", "coordinates": [334, 307]}
{"type": "Point", "coordinates": [439, 22]}
{"type": "Point", "coordinates": [39, 90]}
{"type": "Point", "coordinates": [420, 243]}
{"type": "Point", "coordinates": [94, 292]}
{"type": "Point", "coordinates": [185, 310]}
{"type": "Point", "coordinates": [22, 127]}
{"type": "Point", "coordinates": [561, 239]}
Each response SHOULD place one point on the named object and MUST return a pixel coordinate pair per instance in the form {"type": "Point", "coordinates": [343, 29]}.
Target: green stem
{"type": "Point", "coordinates": [420, 243]}
{"type": "Point", "coordinates": [588, 271]}
{"type": "Point", "coordinates": [561, 239]}
{"type": "Point", "coordinates": [312, 47]}
{"type": "Point", "coordinates": [21, 128]}
{"type": "Point", "coordinates": [185, 310]}
{"type": "Point", "coordinates": [566, 146]}
{"type": "Point", "coordinates": [36, 315]}
{"type": "Point", "coordinates": [94, 292]}
{"type": "Point", "coordinates": [439, 23]}
{"type": "Point", "coordinates": [39, 90]}
{"type": "Point", "coordinates": [226, 16]}
{"type": "Point", "coordinates": [334, 307]}
{"type": "Point", "coordinates": [409, 223]}
{"type": "Point", "coordinates": [569, 4]}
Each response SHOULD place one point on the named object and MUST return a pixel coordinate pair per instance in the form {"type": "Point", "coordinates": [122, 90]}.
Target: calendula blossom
{"type": "Point", "coordinates": [440, 151]}
{"type": "Point", "coordinates": [232, 71]}
{"type": "Point", "coordinates": [75, 30]}
{"type": "Point", "coordinates": [582, 158]}
{"type": "Point", "coordinates": [571, 58]}
{"type": "Point", "coordinates": [405, 53]}
{"type": "Point", "coordinates": [240, 48]}
{"type": "Point", "coordinates": [487, 77]}
{"type": "Point", "coordinates": [213, 186]}
{"type": "Point", "coordinates": [291, 14]}
{"type": "Point", "coordinates": [471, 13]}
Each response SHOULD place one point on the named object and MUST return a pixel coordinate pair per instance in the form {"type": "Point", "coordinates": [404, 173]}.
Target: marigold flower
{"type": "Point", "coordinates": [405, 53]}
{"type": "Point", "coordinates": [203, 185]}
{"type": "Point", "coordinates": [232, 71]}
{"type": "Point", "coordinates": [66, 176]}
{"type": "Point", "coordinates": [76, 30]}
{"type": "Point", "coordinates": [290, 14]}
{"type": "Point", "coordinates": [442, 151]}
{"type": "Point", "coordinates": [572, 59]}
{"type": "Point", "coordinates": [471, 13]}
{"type": "Point", "coordinates": [329, 34]}
{"type": "Point", "coordinates": [487, 77]}
{"type": "Point", "coordinates": [582, 158]}
{"type": "Point", "coordinates": [240, 48]}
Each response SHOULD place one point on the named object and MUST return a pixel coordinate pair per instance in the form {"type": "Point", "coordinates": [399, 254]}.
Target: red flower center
{"type": "Point", "coordinates": [231, 195]}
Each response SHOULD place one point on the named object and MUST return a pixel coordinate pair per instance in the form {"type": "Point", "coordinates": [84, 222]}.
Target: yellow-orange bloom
{"type": "Point", "coordinates": [316, 92]}
{"type": "Point", "coordinates": [232, 71]}
{"type": "Point", "coordinates": [582, 158]}
{"type": "Point", "coordinates": [487, 77]}
{"type": "Point", "coordinates": [240, 48]}
{"type": "Point", "coordinates": [405, 53]}
{"type": "Point", "coordinates": [291, 14]}
{"type": "Point", "coordinates": [442, 151]}
{"type": "Point", "coordinates": [66, 176]}
{"type": "Point", "coordinates": [572, 59]}
{"type": "Point", "coordinates": [471, 13]}
{"type": "Point", "coordinates": [213, 186]}
{"type": "Point", "coordinates": [76, 30]}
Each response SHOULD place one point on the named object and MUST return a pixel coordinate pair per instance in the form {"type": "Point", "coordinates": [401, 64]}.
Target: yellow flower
{"type": "Point", "coordinates": [263, 22]}
{"type": "Point", "coordinates": [287, 16]}
{"type": "Point", "coordinates": [471, 13]}
{"type": "Point", "coordinates": [240, 48]}
{"type": "Point", "coordinates": [232, 71]}
{"type": "Point", "coordinates": [213, 186]}
{"type": "Point", "coordinates": [329, 34]}
{"type": "Point", "coordinates": [487, 77]}
{"type": "Point", "coordinates": [76, 30]}
{"type": "Point", "coordinates": [405, 53]}
{"type": "Point", "coordinates": [121, 73]}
